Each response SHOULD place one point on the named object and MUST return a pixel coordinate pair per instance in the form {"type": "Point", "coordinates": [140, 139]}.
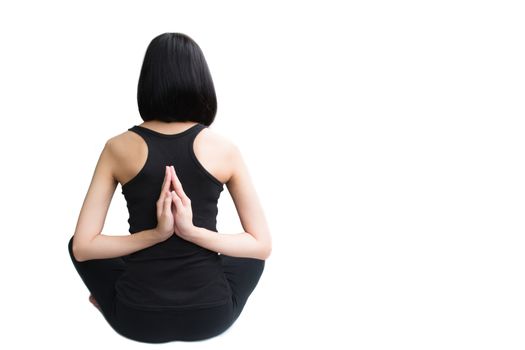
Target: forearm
{"type": "Point", "coordinates": [105, 246]}
{"type": "Point", "coordinates": [236, 245]}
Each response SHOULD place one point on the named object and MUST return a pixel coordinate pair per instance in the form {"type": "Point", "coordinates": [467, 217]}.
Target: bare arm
{"type": "Point", "coordinates": [88, 242]}
{"type": "Point", "coordinates": [255, 242]}
{"type": "Point", "coordinates": [104, 246]}
{"type": "Point", "coordinates": [241, 244]}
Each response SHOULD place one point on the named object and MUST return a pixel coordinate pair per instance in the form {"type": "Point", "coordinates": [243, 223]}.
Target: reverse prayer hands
{"type": "Point", "coordinates": [174, 212]}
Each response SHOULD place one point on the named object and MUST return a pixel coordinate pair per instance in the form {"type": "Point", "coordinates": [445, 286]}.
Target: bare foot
{"type": "Point", "coordinates": [94, 302]}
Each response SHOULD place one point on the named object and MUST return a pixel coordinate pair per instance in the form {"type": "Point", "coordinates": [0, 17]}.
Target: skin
{"type": "Point", "coordinates": [174, 212]}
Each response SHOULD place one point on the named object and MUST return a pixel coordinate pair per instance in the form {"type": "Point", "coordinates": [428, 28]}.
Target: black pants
{"type": "Point", "coordinates": [100, 275]}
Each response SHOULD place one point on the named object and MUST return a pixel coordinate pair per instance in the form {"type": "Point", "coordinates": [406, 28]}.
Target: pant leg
{"type": "Point", "coordinates": [99, 276]}
{"type": "Point", "coordinates": [243, 274]}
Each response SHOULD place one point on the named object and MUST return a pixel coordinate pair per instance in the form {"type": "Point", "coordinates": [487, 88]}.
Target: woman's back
{"type": "Point", "coordinates": [164, 283]}
{"type": "Point", "coordinates": [176, 273]}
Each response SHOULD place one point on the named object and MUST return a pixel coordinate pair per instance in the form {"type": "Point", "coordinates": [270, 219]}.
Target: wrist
{"type": "Point", "coordinates": [156, 236]}
{"type": "Point", "coordinates": [192, 233]}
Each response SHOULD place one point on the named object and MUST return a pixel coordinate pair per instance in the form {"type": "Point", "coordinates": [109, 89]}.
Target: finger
{"type": "Point", "coordinates": [160, 201]}
{"type": "Point", "coordinates": [167, 180]}
{"type": "Point", "coordinates": [167, 204]}
{"type": "Point", "coordinates": [159, 206]}
{"type": "Point", "coordinates": [178, 187]}
{"type": "Point", "coordinates": [166, 184]}
{"type": "Point", "coordinates": [177, 201]}
{"type": "Point", "coordinates": [174, 177]}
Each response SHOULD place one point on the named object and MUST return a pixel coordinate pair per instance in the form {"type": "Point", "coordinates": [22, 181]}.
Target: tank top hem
{"type": "Point", "coordinates": [173, 307]}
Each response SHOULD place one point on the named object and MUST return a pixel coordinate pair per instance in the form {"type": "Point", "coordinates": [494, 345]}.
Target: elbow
{"type": "Point", "coordinates": [266, 251]}
{"type": "Point", "coordinates": [77, 254]}
{"type": "Point", "coordinates": [75, 251]}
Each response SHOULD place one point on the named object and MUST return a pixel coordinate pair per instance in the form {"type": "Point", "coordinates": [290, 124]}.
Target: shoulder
{"type": "Point", "coordinates": [123, 144]}
{"type": "Point", "coordinates": [218, 151]}
{"type": "Point", "coordinates": [212, 139]}
{"type": "Point", "coordinates": [124, 152]}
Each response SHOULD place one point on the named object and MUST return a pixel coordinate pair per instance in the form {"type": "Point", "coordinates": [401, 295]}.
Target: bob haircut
{"type": "Point", "coordinates": [175, 83]}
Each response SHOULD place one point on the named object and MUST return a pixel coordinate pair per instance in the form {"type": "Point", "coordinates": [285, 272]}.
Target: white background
{"type": "Point", "coordinates": [385, 140]}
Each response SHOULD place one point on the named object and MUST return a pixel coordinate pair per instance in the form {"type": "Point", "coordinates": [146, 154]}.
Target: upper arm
{"type": "Point", "coordinates": [98, 198]}
{"type": "Point", "coordinates": [246, 200]}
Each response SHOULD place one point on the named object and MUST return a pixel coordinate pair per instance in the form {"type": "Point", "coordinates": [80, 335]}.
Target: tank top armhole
{"type": "Point", "coordinates": [143, 168]}
{"type": "Point", "coordinates": [199, 165]}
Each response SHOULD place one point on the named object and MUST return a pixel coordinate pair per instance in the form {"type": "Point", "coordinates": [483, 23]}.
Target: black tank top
{"type": "Point", "coordinates": [173, 274]}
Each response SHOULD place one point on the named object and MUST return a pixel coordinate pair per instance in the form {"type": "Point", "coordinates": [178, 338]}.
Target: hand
{"type": "Point", "coordinates": [182, 213]}
{"type": "Point", "coordinates": [165, 219]}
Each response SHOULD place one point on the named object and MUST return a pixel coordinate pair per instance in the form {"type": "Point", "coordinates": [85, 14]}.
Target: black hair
{"type": "Point", "coordinates": [175, 83]}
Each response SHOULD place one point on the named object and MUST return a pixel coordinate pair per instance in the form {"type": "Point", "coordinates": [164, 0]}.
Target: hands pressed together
{"type": "Point", "coordinates": [174, 213]}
